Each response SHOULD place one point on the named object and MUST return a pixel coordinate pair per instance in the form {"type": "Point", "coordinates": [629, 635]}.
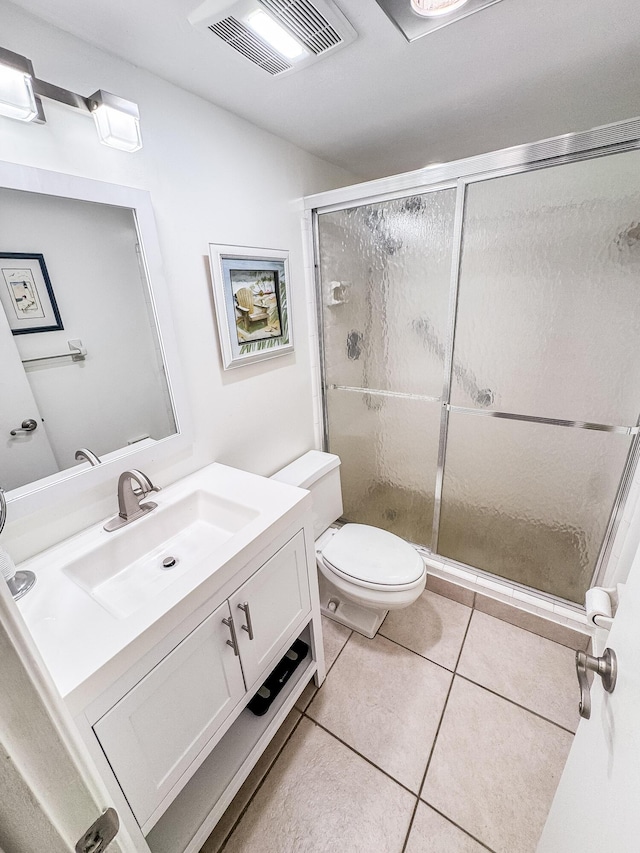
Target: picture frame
{"type": "Point", "coordinates": [252, 302]}
{"type": "Point", "coordinates": [26, 294]}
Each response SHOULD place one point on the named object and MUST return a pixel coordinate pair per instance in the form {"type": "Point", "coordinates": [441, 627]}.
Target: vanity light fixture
{"type": "Point", "coordinates": [117, 120]}
{"type": "Point", "coordinates": [16, 94]}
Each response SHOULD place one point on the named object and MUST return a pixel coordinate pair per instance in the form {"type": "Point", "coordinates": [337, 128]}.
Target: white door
{"type": "Point", "coordinates": [26, 456]}
{"type": "Point", "coordinates": [267, 608]}
{"type": "Point", "coordinates": [597, 805]}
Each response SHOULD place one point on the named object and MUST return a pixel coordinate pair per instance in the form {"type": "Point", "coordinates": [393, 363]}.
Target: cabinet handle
{"type": "Point", "coordinates": [233, 642]}
{"type": "Point", "coordinates": [247, 613]}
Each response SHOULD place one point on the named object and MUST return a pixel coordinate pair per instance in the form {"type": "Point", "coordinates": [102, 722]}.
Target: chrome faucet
{"type": "Point", "coordinates": [129, 506]}
{"type": "Point", "coordinates": [3, 509]}
{"type": "Point", "coordinates": [88, 456]}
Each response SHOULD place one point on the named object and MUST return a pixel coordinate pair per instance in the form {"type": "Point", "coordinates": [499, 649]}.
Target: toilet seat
{"type": "Point", "coordinates": [374, 559]}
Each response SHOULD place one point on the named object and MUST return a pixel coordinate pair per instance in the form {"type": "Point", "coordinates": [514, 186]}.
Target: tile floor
{"type": "Point", "coordinates": [447, 733]}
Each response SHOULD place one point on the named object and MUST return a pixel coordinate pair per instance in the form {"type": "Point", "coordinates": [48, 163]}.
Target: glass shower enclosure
{"type": "Point", "coordinates": [481, 377]}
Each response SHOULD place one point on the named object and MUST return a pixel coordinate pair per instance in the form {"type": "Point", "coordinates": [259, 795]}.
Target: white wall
{"type": "Point", "coordinates": [117, 393]}
{"type": "Point", "coordinates": [213, 178]}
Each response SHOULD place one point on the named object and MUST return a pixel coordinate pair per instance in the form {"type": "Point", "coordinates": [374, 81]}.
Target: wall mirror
{"type": "Point", "coordinates": [86, 341]}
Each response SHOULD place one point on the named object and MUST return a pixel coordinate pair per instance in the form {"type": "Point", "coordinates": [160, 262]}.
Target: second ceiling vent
{"type": "Point", "coordinates": [280, 36]}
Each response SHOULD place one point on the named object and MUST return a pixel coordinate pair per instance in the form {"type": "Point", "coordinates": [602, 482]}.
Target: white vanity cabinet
{"type": "Point", "coordinates": [157, 659]}
{"type": "Point", "coordinates": [157, 730]}
{"type": "Point", "coordinates": [180, 741]}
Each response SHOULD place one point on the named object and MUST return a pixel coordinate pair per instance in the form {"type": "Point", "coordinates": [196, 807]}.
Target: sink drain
{"type": "Point", "coordinates": [169, 562]}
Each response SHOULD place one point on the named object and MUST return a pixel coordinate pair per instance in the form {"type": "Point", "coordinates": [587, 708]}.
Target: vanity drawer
{"type": "Point", "coordinates": [156, 731]}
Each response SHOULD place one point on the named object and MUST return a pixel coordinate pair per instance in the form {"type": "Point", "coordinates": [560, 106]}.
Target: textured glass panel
{"type": "Point", "coordinates": [549, 304]}
{"type": "Point", "coordinates": [385, 271]}
{"type": "Point", "coordinates": [389, 452]}
{"type": "Point", "coordinates": [529, 502]}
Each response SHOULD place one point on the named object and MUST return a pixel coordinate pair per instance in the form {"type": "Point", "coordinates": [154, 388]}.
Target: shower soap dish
{"type": "Point", "coordinates": [274, 683]}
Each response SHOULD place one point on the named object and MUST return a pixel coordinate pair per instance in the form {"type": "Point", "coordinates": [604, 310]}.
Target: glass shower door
{"type": "Point", "coordinates": [385, 273]}
{"type": "Point", "coordinates": [548, 324]}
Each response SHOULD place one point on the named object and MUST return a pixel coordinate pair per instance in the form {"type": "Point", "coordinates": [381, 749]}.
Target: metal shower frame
{"type": "Point", "coordinates": [458, 175]}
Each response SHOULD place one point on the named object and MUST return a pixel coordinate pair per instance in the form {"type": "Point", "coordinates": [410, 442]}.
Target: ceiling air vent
{"type": "Point", "coordinates": [306, 22]}
{"type": "Point", "coordinates": [317, 28]}
{"type": "Point", "coordinates": [246, 42]}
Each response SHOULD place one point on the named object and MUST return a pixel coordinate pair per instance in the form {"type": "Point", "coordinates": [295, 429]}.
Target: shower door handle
{"type": "Point", "coordinates": [606, 667]}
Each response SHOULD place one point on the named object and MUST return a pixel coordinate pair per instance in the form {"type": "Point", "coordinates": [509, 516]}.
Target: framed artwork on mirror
{"type": "Point", "coordinates": [26, 294]}
{"type": "Point", "coordinates": [251, 295]}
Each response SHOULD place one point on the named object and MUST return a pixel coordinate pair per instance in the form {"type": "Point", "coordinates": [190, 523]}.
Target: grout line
{"type": "Point", "coordinates": [259, 785]}
{"type": "Point", "coordinates": [360, 755]}
{"type": "Point", "coordinates": [414, 652]}
{"type": "Point", "coordinates": [457, 825]}
{"type": "Point", "coordinates": [513, 702]}
{"type": "Point", "coordinates": [464, 640]}
{"type": "Point", "coordinates": [413, 817]}
{"type": "Point", "coordinates": [435, 740]}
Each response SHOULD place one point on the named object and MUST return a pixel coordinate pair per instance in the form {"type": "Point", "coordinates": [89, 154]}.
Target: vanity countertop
{"type": "Point", "coordinates": [89, 630]}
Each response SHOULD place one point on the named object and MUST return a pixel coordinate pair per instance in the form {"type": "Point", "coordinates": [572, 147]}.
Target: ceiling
{"type": "Point", "coordinates": [518, 71]}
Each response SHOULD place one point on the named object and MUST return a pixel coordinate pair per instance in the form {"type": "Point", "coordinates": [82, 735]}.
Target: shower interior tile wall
{"type": "Point", "coordinates": [417, 741]}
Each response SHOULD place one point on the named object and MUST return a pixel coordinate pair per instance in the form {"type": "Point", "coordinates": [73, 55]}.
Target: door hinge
{"type": "Point", "coordinates": [100, 834]}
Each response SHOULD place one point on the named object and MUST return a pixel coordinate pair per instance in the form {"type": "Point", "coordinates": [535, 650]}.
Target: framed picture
{"type": "Point", "coordinates": [251, 294]}
{"type": "Point", "coordinates": [26, 294]}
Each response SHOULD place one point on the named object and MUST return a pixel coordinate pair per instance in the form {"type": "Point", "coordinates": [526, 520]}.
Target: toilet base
{"type": "Point", "coordinates": [335, 606]}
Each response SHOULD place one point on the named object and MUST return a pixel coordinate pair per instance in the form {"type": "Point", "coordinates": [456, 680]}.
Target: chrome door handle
{"type": "Point", "coordinates": [247, 614]}
{"type": "Point", "coordinates": [233, 642]}
{"type": "Point", "coordinates": [27, 426]}
{"type": "Point", "coordinates": [606, 667]}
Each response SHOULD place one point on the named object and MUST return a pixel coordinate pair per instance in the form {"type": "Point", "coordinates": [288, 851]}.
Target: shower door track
{"type": "Point", "coordinates": [598, 142]}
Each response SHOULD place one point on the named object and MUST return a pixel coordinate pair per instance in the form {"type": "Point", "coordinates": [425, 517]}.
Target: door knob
{"type": "Point", "coordinates": [27, 426]}
{"type": "Point", "coordinates": [606, 667]}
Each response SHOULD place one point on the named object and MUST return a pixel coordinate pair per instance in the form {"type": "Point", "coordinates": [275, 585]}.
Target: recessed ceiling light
{"type": "Point", "coordinates": [274, 34]}
{"type": "Point", "coordinates": [435, 8]}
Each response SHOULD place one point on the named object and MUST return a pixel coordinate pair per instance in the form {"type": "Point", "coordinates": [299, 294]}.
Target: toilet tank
{"type": "Point", "coordinates": [320, 473]}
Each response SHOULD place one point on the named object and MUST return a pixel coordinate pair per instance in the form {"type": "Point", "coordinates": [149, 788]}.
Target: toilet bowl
{"type": "Point", "coordinates": [363, 571]}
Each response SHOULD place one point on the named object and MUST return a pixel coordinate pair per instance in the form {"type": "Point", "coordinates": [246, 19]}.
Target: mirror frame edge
{"type": "Point", "coordinates": [73, 482]}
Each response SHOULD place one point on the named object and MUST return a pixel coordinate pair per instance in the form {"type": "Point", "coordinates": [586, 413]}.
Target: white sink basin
{"type": "Point", "coordinates": [125, 570]}
{"type": "Point", "coordinates": [102, 599]}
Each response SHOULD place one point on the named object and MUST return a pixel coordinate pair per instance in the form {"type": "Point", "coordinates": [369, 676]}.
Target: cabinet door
{"type": "Point", "coordinates": [154, 732]}
{"type": "Point", "coordinates": [271, 602]}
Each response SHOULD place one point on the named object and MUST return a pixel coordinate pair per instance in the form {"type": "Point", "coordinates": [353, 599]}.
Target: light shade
{"type": "Point", "coordinates": [435, 8]}
{"type": "Point", "coordinates": [275, 35]}
{"type": "Point", "coordinates": [117, 121]}
{"type": "Point", "coordinates": [16, 94]}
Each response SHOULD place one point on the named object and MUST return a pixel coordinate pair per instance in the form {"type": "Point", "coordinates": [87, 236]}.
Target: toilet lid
{"type": "Point", "coordinates": [375, 556]}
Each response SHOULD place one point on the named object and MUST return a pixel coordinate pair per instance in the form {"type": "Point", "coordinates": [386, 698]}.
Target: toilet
{"type": "Point", "coordinates": [363, 571]}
